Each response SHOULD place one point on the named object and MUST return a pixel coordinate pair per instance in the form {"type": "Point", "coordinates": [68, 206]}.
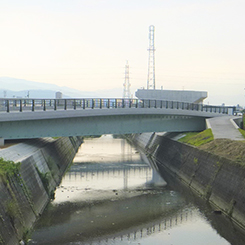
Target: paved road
{"type": "Point", "coordinates": [224, 128]}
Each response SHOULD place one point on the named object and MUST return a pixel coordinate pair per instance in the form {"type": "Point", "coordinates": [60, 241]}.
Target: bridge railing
{"type": "Point", "coordinates": [21, 105]}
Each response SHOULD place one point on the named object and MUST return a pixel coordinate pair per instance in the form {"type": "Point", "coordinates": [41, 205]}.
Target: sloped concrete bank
{"type": "Point", "coordinates": [23, 196]}
{"type": "Point", "coordinates": [218, 180]}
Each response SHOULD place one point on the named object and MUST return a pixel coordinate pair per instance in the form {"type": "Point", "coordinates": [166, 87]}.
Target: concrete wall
{"type": "Point", "coordinates": [23, 197]}
{"type": "Point", "coordinates": [216, 179]}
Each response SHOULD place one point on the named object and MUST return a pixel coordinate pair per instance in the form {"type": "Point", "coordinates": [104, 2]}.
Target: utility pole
{"type": "Point", "coordinates": [151, 59]}
{"type": "Point", "coordinates": [126, 84]}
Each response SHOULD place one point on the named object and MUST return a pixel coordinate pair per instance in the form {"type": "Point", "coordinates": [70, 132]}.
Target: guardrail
{"type": "Point", "coordinates": [21, 105]}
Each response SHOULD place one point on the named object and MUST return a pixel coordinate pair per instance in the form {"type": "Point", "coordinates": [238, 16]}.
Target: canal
{"type": "Point", "coordinates": [110, 195]}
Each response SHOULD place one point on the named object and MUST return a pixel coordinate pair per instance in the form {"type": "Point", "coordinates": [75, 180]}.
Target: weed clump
{"type": "Point", "coordinates": [9, 168]}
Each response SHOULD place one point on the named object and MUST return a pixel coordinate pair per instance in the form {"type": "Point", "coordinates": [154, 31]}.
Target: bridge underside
{"type": "Point", "coordinates": [98, 125]}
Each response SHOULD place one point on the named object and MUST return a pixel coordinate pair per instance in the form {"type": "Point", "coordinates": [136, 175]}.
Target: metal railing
{"type": "Point", "coordinates": [21, 105]}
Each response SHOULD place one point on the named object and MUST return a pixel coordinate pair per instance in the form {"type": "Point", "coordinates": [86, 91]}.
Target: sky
{"type": "Point", "coordinates": [85, 44]}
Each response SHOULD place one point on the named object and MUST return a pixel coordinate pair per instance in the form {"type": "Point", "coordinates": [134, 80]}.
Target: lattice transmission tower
{"type": "Point", "coordinates": [126, 84]}
{"type": "Point", "coordinates": [151, 84]}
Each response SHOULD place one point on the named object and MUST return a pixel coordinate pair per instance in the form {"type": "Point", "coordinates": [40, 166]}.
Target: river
{"type": "Point", "coordinates": [111, 196]}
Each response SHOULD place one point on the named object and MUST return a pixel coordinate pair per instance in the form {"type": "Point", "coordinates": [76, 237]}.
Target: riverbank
{"type": "Point", "coordinates": [215, 178]}
{"type": "Point", "coordinates": [25, 190]}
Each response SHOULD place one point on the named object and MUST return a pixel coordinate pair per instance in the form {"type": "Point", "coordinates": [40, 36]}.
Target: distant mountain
{"type": "Point", "coordinates": [13, 87]}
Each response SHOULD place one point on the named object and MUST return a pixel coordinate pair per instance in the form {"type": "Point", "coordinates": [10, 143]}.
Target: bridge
{"type": "Point", "coordinates": [36, 118]}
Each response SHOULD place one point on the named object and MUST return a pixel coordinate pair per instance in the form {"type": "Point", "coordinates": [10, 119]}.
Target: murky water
{"type": "Point", "coordinates": [111, 196]}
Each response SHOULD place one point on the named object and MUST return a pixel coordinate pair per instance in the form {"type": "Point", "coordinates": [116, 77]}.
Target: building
{"type": "Point", "coordinates": [196, 97]}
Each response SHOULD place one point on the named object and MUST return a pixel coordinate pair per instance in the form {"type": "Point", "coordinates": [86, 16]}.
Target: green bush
{"type": "Point", "coordinates": [9, 168]}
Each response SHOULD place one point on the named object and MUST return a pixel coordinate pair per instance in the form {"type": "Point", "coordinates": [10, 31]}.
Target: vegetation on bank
{"type": "Point", "coordinates": [230, 149]}
{"type": "Point", "coordinates": [8, 168]}
{"type": "Point", "coordinates": [10, 175]}
{"type": "Point", "coordinates": [242, 131]}
{"type": "Point", "coordinates": [197, 138]}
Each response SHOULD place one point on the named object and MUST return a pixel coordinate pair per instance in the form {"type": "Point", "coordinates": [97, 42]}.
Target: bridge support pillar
{"type": "Point", "coordinates": [1, 141]}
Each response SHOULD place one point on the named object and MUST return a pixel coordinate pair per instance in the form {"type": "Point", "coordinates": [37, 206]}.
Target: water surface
{"type": "Point", "coordinates": [110, 196]}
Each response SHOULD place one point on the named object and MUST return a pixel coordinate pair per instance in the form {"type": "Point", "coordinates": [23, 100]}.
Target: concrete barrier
{"type": "Point", "coordinates": [24, 196]}
{"type": "Point", "coordinates": [216, 179]}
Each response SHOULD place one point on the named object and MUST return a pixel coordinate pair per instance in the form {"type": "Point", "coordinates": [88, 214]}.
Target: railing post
{"type": "Point", "coordinates": [74, 104]}
{"type": "Point", "coordinates": [155, 103]}
{"type": "Point", "coordinates": [100, 103]}
{"type": "Point", "coordinates": [7, 103]}
{"type": "Point", "coordinates": [83, 103]}
{"type": "Point", "coordinates": [108, 105]}
{"type": "Point", "coordinates": [44, 105]}
{"type": "Point", "coordinates": [33, 105]}
{"type": "Point", "coordinates": [20, 105]}
{"type": "Point", "coordinates": [136, 103]}
{"type": "Point", "coordinates": [115, 103]}
{"type": "Point", "coordinates": [55, 104]}
{"type": "Point", "coordinates": [65, 105]}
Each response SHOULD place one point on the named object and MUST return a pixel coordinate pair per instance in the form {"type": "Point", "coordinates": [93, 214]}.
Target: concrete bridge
{"type": "Point", "coordinates": [36, 118]}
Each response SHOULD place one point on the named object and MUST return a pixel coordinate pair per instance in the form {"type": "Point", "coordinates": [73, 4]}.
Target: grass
{"type": "Point", "coordinates": [242, 131]}
{"type": "Point", "coordinates": [198, 138]}
{"type": "Point", "coordinates": [230, 149]}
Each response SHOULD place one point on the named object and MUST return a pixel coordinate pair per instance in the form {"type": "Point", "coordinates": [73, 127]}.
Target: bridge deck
{"type": "Point", "coordinates": [28, 118]}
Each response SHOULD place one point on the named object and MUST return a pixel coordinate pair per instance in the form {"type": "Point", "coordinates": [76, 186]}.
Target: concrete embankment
{"type": "Point", "coordinates": [25, 194]}
{"type": "Point", "coordinates": [218, 180]}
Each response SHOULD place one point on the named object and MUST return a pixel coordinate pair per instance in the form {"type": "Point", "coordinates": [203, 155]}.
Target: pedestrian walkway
{"type": "Point", "coordinates": [224, 128]}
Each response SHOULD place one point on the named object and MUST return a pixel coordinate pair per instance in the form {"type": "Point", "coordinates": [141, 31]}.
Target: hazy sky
{"type": "Point", "coordinates": [84, 44]}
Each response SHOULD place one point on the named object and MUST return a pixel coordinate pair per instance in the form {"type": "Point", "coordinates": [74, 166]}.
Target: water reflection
{"type": "Point", "coordinates": [109, 197]}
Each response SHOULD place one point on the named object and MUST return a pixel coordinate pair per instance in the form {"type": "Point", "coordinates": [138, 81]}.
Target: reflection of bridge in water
{"type": "Point", "coordinates": [164, 224]}
{"type": "Point", "coordinates": [116, 218]}
{"type": "Point", "coordinates": [131, 213]}
{"type": "Point", "coordinates": [123, 171]}
{"type": "Point", "coordinates": [124, 168]}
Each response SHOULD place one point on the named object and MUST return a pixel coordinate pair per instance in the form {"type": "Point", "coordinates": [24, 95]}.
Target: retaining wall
{"type": "Point", "coordinates": [219, 180]}
{"type": "Point", "coordinates": [23, 197]}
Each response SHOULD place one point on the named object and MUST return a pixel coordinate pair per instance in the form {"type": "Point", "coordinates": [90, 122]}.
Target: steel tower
{"type": "Point", "coordinates": [126, 84]}
{"type": "Point", "coordinates": [151, 60]}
